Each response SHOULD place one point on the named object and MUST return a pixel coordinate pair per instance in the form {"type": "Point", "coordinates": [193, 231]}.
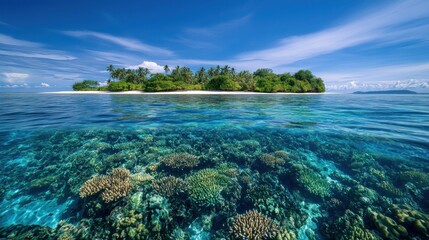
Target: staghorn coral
{"type": "Point", "coordinates": [271, 161]}
{"type": "Point", "coordinates": [180, 161]}
{"type": "Point", "coordinates": [253, 226]}
{"type": "Point", "coordinates": [112, 187]}
{"type": "Point", "coordinates": [169, 186]}
{"type": "Point", "coordinates": [205, 187]}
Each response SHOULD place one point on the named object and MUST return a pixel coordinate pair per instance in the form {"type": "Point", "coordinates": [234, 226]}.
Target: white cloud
{"type": "Point", "coordinates": [8, 40]}
{"type": "Point", "coordinates": [44, 84]}
{"type": "Point", "coordinates": [14, 77]}
{"type": "Point", "coordinates": [128, 43]}
{"type": "Point", "coordinates": [152, 66]}
{"type": "Point", "coordinates": [29, 54]}
{"type": "Point", "coordinates": [24, 85]}
{"type": "Point", "coordinates": [368, 28]}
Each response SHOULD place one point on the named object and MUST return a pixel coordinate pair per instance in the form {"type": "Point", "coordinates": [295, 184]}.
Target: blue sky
{"type": "Point", "coordinates": [352, 45]}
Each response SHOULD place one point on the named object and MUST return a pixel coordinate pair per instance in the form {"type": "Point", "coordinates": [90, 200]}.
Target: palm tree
{"type": "Point", "coordinates": [211, 72]}
{"type": "Point", "coordinates": [187, 74]}
{"type": "Point", "coordinates": [225, 70]}
{"type": "Point", "coordinates": [166, 69]}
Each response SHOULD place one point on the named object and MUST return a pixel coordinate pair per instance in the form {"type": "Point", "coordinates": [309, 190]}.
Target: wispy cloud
{"type": "Point", "coordinates": [203, 37]}
{"type": "Point", "coordinates": [127, 43]}
{"type": "Point", "coordinates": [36, 55]}
{"type": "Point", "coordinates": [3, 23]}
{"type": "Point", "coordinates": [371, 27]}
{"type": "Point", "coordinates": [214, 30]}
{"type": "Point", "coordinates": [8, 40]}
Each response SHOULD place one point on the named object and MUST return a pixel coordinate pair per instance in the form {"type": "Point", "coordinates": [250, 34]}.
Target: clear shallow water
{"type": "Point", "coordinates": [348, 156]}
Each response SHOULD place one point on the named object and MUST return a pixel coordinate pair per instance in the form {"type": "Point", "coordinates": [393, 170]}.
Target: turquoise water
{"type": "Point", "coordinates": [319, 166]}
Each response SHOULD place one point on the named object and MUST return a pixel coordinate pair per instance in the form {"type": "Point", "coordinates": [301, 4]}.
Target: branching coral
{"type": "Point", "coordinates": [253, 226]}
{"type": "Point", "coordinates": [112, 187]}
{"type": "Point", "coordinates": [169, 186]}
{"type": "Point", "coordinates": [271, 161]}
{"type": "Point", "coordinates": [311, 181]}
{"type": "Point", "coordinates": [180, 161]}
{"type": "Point", "coordinates": [205, 187]}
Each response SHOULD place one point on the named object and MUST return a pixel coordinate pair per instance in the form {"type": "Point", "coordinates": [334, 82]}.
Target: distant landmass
{"type": "Point", "coordinates": [387, 92]}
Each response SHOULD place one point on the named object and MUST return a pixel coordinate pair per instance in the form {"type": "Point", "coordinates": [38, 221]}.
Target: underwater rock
{"type": "Point", "coordinates": [252, 225]}
{"type": "Point", "coordinates": [112, 187]}
{"type": "Point", "coordinates": [180, 161]}
{"type": "Point", "coordinates": [169, 186]}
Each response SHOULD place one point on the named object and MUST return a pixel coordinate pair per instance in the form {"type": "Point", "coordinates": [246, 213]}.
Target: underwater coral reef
{"type": "Point", "coordinates": [215, 184]}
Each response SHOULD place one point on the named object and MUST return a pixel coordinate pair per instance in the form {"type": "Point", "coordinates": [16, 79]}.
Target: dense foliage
{"type": "Point", "coordinates": [218, 78]}
{"type": "Point", "coordinates": [86, 85]}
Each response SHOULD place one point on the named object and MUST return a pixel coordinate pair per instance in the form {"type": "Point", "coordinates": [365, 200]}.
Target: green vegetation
{"type": "Point", "coordinates": [217, 78]}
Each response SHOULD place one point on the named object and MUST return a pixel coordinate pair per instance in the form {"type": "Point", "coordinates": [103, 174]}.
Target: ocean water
{"type": "Point", "coordinates": [321, 166]}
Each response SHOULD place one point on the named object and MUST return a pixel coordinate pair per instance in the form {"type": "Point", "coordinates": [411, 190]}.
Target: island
{"type": "Point", "coordinates": [215, 78]}
{"type": "Point", "coordinates": [387, 92]}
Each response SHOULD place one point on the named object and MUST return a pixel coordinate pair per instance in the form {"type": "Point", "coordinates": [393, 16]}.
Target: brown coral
{"type": "Point", "coordinates": [253, 226]}
{"type": "Point", "coordinates": [180, 161]}
{"type": "Point", "coordinates": [271, 161]}
{"type": "Point", "coordinates": [112, 187]}
{"type": "Point", "coordinates": [169, 186]}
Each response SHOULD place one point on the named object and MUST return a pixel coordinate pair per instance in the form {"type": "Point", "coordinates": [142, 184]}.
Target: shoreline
{"type": "Point", "coordinates": [197, 92]}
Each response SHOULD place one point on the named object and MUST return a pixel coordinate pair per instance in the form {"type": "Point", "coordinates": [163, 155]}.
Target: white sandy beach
{"type": "Point", "coordinates": [174, 93]}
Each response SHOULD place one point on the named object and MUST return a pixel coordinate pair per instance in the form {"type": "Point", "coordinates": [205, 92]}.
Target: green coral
{"type": "Point", "coordinates": [205, 187]}
{"type": "Point", "coordinates": [311, 181]}
{"type": "Point", "coordinates": [349, 226]}
{"type": "Point", "coordinates": [414, 220]}
{"type": "Point", "coordinates": [128, 225]}
{"type": "Point", "coordinates": [418, 178]}
{"type": "Point", "coordinates": [387, 227]}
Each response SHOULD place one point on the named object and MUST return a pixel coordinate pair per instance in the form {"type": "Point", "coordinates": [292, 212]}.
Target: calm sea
{"type": "Point", "coordinates": [52, 143]}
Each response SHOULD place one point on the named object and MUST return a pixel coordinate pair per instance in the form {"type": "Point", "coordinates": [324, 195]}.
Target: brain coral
{"type": "Point", "coordinates": [180, 161]}
{"type": "Point", "coordinates": [253, 226]}
{"type": "Point", "coordinates": [112, 187]}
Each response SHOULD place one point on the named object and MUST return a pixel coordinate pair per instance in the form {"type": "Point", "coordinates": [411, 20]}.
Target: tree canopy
{"type": "Point", "coordinates": [214, 78]}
